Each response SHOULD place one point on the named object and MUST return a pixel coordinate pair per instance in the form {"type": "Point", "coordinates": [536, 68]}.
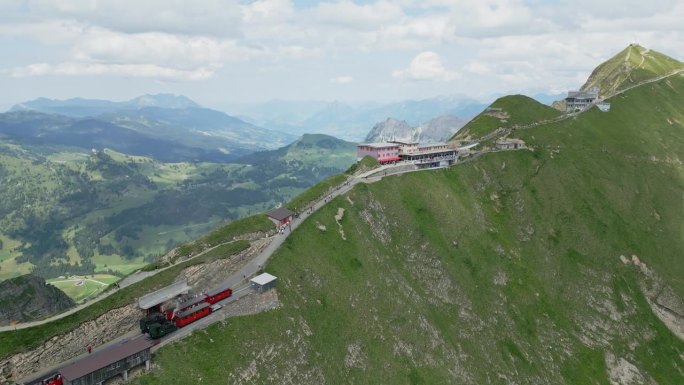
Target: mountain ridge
{"type": "Point", "coordinates": [182, 133]}
{"type": "Point", "coordinates": [628, 67]}
{"type": "Point", "coordinates": [82, 107]}
{"type": "Point", "coordinates": [435, 130]}
{"type": "Point", "coordinates": [510, 269]}
{"type": "Point", "coordinates": [506, 111]}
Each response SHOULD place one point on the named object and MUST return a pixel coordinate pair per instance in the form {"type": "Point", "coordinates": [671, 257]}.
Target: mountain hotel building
{"type": "Point", "coordinates": [423, 155]}
{"type": "Point", "coordinates": [382, 152]}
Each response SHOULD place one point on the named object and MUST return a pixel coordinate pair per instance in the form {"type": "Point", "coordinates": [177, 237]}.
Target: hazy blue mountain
{"type": "Point", "coordinates": [438, 129]}
{"type": "Point", "coordinates": [201, 127]}
{"type": "Point", "coordinates": [162, 101]}
{"type": "Point", "coordinates": [187, 131]}
{"type": "Point", "coordinates": [79, 107]}
{"type": "Point", "coordinates": [36, 128]}
{"type": "Point", "coordinates": [549, 98]}
{"type": "Point", "coordinates": [417, 111]}
{"type": "Point", "coordinates": [351, 121]}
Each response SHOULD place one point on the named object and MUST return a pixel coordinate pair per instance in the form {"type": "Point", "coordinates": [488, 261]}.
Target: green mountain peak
{"type": "Point", "coordinates": [506, 111]}
{"type": "Point", "coordinates": [631, 66]}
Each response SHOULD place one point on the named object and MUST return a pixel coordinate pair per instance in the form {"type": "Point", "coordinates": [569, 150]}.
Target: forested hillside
{"type": "Point", "coordinates": [69, 212]}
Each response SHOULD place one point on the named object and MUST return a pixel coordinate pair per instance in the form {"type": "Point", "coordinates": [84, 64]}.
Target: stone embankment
{"type": "Point", "coordinates": [663, 300]}
{"type": "Point", "coordinates": [105, 328]}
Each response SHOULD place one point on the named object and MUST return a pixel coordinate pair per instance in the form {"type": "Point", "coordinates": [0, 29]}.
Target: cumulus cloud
{"type": "Point", "coordinates": [426, 66]}
{"type": "Point", "coordinates": [348, 14]}
{"type": "Point", "coordinates": [342, 80]}
{"type": "Point", "coordinates": [154, 47]}
{"type": "Point", "coordinates": [521, 44]}
{"type": "Point", "coordinates": [206, 17]}
{"type": "Point", "coordinates": [129, 70]}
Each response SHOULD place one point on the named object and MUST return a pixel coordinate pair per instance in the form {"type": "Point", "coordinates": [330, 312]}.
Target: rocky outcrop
{"type": "Point", "coordinates": [435, 130]}
{"type": "Point", "coordinates": [662, 299]}
{"type": "Point", "coordinates": [440, 129]}
{"type": "Point", "coordinates": [28, 298]}
{"type": "Point", "coordinates": [391, 129]}
{"type": "Point", "coordinates": [115, 323]}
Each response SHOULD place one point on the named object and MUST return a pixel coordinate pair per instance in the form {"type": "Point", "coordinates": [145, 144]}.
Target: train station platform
{"type": "Point", "coordinates": [153, 299]}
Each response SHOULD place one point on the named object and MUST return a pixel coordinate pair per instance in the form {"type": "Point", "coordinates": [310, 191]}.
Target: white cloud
{"type": "Point", "coordinates": [478, 68]}
{"type": "Point", "coordinates": [128, 70]}
{"type": "Point", "coordinates": [426, 66]}
{"type": "Point", "coordinates": [342, 80]}
{"type": "Point", "coordinates": [107, 46]}
{"type": "Point", "coordinates": [206, 17]}
{"type": "Point", "coordinates": [56, 31]}
{"type": "Point", "coordinates": [349, 15]}
{"type": "Point", "coordinates": [505, 44]}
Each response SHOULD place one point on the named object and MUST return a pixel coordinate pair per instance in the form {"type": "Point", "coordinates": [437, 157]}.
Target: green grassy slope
{"type": "Point", "coordinates": [503, 270]}
{"type": "Point", "coordinates": [515, 110]}
{"type": "Point", "coordinates": [630, 66]}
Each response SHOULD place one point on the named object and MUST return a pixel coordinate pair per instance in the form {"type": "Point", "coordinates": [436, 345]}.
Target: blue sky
{"type": "Point", "coordinates": [221, 52]}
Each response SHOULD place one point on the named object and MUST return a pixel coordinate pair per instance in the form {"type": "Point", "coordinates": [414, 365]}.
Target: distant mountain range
{"type": "Point", "coordinates": [438, 129]}
{"type": "Point", "coordinates": [79, 107]}
{"type": "Point", "coordinates": [351, 121]}
{"type": "Point", "coordinates": [167, 127]}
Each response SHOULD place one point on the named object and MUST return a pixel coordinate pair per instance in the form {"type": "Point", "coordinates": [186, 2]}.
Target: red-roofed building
{"type": "Point", "coordinates": [382, 152]}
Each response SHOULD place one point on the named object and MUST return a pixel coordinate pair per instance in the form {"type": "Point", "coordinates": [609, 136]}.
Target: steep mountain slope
{"type": "Point", "coordinates": [28, 297]}
{"type": "Point", "coordinates": [506, 111]}
{"type": "Point", "coordinates": [504, 270]}
{"type": "Point", "coordinates": [438, 129]}
{"type": "Point", "coordinates": [391, 129]}
{"type": "Point", "coordinates": [631, 66]}
{"type": "Point", "coordinates": [441, 128]}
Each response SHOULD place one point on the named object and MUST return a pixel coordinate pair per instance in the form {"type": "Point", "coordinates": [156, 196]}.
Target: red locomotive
{"type": "Point", "coordinates": [161, 323]}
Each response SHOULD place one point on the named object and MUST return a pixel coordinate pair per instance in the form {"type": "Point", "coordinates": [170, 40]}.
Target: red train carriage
{"type": "Point", "coordinates": [184, 313]}
{"type": "Point", "coordinates": [185, 305]}
{"type": "Point", "coordinates": [219, 294]}
{"type": "Point", "coordinates": [193, 314]}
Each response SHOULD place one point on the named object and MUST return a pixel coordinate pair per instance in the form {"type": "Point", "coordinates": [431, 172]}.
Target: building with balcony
{"type": "Point", "coordinates": [382, 152]}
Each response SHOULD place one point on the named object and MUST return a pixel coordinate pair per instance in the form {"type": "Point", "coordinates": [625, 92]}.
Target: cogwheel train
{"type": "Point", "coordinates": [168, 316]}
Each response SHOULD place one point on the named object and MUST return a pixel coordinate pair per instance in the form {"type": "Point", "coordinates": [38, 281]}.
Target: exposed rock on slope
{"type": "Point", "coordinates": [391, 129]}
{"type": "Point", "coordinates": [28, 298]}
{"type": "Point", "coordinates": [435, 130]}
{"type": "Point", "coordinates": [440, 128]}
